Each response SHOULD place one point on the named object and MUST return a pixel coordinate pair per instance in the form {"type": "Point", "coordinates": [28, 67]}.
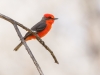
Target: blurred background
{"type": "Point", "coordinates": [74, 37]}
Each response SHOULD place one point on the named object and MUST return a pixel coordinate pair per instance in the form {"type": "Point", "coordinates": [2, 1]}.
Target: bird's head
{"type": "Point", "coordinates": [49, 16]}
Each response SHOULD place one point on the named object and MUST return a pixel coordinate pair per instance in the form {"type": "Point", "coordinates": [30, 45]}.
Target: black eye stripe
{"type": "Point", "coordinates": [50, 18]}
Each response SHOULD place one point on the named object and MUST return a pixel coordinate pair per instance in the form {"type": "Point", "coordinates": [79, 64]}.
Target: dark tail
{"type": "Point", "coordinates": [18, 46]}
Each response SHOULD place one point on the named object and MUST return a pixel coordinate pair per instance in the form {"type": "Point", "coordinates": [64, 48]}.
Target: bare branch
{"type": "Point", "coordinates": [43, 43]}
{"type": "Point", "coordinates": [28, 49]}
{"type": "Point", "coordinates": [27, 29]}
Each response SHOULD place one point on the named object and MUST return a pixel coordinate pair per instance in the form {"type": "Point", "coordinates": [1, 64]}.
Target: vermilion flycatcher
{"type": "Point", "coordinates": [42, 28]}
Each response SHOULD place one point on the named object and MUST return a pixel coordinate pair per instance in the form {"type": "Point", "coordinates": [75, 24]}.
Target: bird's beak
{"type": "Point", "coordinates": [55, 18]}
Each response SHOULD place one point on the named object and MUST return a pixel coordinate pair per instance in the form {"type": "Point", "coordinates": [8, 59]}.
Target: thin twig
{"type": "Point", "coordinates": [29, 30]}
{"type": "Point", "coordinates": [47, 48]}
{"type": "Point", "coordinates": [28, 49]}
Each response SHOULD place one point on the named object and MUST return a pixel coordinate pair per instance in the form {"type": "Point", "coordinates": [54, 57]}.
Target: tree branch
{"type": "Point", "coordinates": [29, 30]}
{"type": "Point", "coordinates": [28, 49]}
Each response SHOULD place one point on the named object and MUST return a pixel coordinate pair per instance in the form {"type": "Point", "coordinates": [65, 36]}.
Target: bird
{"type": "Point", "coordinates": [41, 28]}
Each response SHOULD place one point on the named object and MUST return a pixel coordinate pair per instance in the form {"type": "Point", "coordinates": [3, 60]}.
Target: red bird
{"type": "Point", "coordinates": [42, 28]}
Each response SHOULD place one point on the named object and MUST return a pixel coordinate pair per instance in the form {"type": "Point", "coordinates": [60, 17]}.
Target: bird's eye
{"type": "Point", "coordinates": [49, 17]}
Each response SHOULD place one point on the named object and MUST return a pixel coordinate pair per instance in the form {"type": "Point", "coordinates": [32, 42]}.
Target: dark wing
{"type": "Point", "coordinates": [40, 26]}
